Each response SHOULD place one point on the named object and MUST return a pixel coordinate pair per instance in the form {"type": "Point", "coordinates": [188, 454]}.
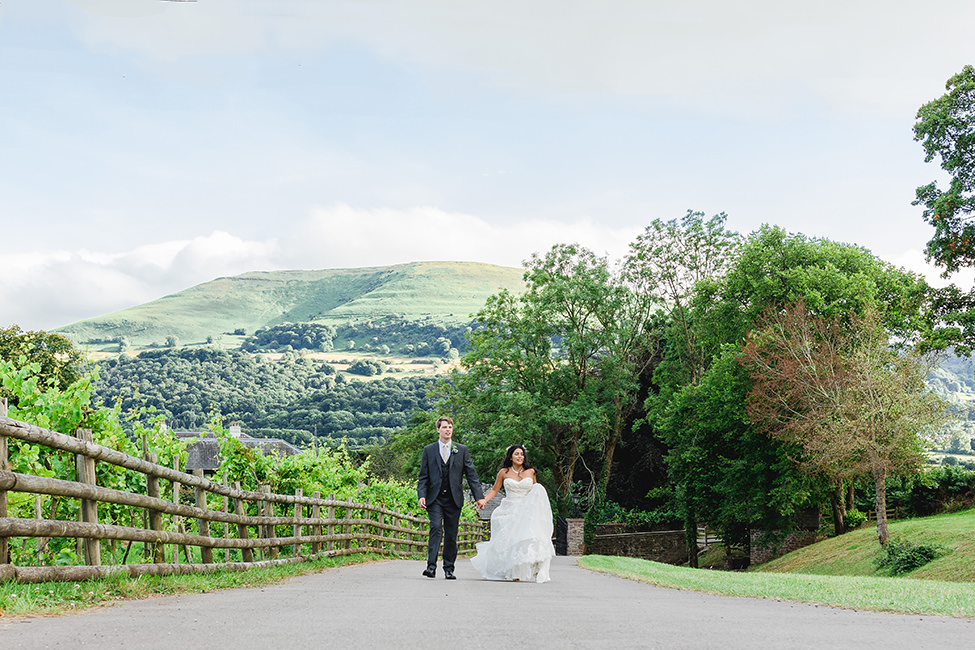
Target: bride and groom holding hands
{"type": "Point", "coordinates": [520, 548]}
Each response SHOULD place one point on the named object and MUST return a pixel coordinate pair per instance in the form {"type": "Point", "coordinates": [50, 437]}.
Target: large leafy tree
{"type": "Point", "coordinates": [836, 388]}
{"type": "Point", "coordinates": [557, 367]}
{"type": "Point", "coordinates": [771, 268]}
{"type": "Point", "coordinates": [946, 129]}
{"type": "Point", "coordinates": [53, 359]}
{"type": "Point", "coordinates": [668, 260]}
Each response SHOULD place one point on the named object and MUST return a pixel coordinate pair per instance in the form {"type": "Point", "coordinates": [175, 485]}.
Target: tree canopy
{"type": "Point", "coordinates": [556, 368]}
{"type": "Point", "coordinates": [58, 362]}
{"type": "Point", "coordinates": [946, 129]}
{"type": "Point", "coordinates": [839, 391]}
{"type": "Point", "coordinates": [703, 420]}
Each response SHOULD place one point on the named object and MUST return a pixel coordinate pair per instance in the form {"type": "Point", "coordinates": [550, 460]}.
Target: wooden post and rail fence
{"type": "Point", "coordinates": [255, 526]}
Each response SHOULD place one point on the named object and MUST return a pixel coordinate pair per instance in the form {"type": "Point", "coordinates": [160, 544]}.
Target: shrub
{"type": "Point", "coordinates": [854, 518]}
{"type": "Point", "coordinates": [901, 556]}
{"type": "Point", "coordinates": [367, 367]}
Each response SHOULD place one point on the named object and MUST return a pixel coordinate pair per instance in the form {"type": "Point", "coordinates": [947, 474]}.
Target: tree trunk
{"type": "Point", "coordinates": [880, 487]}
{"type": "Point", "coordinates": [690, 532]}
{"type": "Point", "coordinates": [563, 470]}
{"type": "Point", "coordinates": [610, 448]}
{"type": "Point", "coordinates": [838, 508]}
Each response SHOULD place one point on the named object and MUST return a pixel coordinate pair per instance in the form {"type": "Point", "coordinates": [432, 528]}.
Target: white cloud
{"type": "Point", "coordinates": [343, 236]}
{"type": "Point", "coordinates": [44, 290]}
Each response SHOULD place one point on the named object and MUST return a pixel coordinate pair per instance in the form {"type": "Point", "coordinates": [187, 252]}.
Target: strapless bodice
{"type": "Point", "coordinates": [515, 488]}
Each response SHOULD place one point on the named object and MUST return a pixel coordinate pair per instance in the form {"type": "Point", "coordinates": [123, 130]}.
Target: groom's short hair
{"type": "Point", "coordinates": [444, 418]}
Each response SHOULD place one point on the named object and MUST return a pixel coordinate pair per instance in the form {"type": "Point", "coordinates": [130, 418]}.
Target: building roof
{"type": "Point", "coordinates": [203, 452]}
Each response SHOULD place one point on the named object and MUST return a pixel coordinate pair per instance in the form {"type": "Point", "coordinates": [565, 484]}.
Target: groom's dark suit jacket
{"type": "Point", "coordinates": [459, 465]}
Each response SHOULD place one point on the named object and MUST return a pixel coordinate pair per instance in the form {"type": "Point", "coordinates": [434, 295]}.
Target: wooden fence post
{"type": "Point", "coordinates": [348, 526]}
{"type": "Point", "coordinates": [39, 542]}
{"type": "Point", "coordinates": [247, 554]}
{"type": "Point", "coordinates": [89, 509]}
{"type": "Point", "coordinates": [299, 512]}
{"type": "Point", "coordinates": [202, 525]}
{"type": "Point", "coordinates": [177, 486]}
{"type": "Point", "coordinates": [226, 526]}
{"type": "Point", "coordinates": [331, 527]}
{"type": "Point", "coordinates": [316, 513]}
{"type": "Point", "coordinates": [4, 544]}
{"type": "Point", "coordinates": [367, 529]}
{"type": "Point", "coordinates": [270, 528]}
{"type": "Point", "coordinates": [396, 522]}
{"type": "Point", "coordinates": [155, 517]}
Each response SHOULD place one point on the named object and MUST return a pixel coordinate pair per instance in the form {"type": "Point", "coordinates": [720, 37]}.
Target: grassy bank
{"type": "Point", "coordinates": [853, 554]}
{"type": "Point", "coordinates": [51, 598]}
{"type": "Point", "coordinates": [840, 572]}
{"type": "Point", "coordinates": [900, 595]}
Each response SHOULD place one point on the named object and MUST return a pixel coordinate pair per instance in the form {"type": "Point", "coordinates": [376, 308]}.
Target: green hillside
{"type": "Point", "coordinates": [444, 292]}
{"type": "Point", "coordinates": [853, 554]}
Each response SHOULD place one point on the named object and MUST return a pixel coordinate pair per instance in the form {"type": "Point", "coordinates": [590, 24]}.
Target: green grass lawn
{"type": "Point", "coordinates": [839, 572]}
{"type": "Point", "coordinates": [900, 595]}
{"type": "Point", "coordinates": [853, 554]}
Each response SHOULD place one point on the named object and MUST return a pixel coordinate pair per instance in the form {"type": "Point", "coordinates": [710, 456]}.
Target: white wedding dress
{"type": "Point", "coordinates": [521, 535]}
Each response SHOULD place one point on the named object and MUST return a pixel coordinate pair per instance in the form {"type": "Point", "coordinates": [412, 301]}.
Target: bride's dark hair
{"type": "Point", "coordinates": [507, 457]}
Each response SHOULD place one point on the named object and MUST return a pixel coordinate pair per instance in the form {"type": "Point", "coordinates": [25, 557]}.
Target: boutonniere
{"type": "Point", "coordinates": [453, 448]}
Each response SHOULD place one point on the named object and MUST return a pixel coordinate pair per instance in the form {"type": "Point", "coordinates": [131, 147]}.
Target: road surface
{"type": "Point", "coordinates": [390, 605]}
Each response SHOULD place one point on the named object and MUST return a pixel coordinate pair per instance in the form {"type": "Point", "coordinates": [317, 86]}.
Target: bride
{"type": "Point", "coordinates": [521, 527]}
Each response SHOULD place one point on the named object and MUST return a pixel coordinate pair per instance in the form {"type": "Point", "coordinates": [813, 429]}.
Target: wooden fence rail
{"type": "Point", "coordinates": [892, 513]}
{"type": "Point", "coordinates": [247, 521]}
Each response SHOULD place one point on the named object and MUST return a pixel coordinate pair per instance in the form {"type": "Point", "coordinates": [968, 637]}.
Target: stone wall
{"type": "Point", "coordinates": [763, 553]}
{"type": "Point", "coordinates": [576, 537]}
{"type": "Point", "coordinates": [666, 546]}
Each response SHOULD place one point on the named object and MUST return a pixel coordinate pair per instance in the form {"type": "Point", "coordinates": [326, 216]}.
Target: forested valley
{"type": "Point", "coordinates": [294, 398]}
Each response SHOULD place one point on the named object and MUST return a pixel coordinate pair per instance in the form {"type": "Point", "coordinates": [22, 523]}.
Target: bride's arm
{"type": "Point", "coordinates": [534, 478]}
{"type": "Point", "coordinates": [496, 487]}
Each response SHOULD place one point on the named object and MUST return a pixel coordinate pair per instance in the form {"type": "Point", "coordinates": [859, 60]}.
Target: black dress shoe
{"type": "Point", "coordinates": [449, 575]}
{"type": "Point", "coordinates": [430, 573]}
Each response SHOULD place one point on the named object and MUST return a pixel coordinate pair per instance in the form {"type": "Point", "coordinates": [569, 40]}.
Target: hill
{"type": "Point", "coordinates": [853, 554]}
{"type": "Point", "coordinates": [225, 309]}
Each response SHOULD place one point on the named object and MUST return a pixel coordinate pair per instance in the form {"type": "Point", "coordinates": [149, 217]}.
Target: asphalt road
{"type": "Point", "coordinates": [390, 605]}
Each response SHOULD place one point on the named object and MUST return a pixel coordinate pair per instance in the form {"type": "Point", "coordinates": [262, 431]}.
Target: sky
{"type": "Point", "coordinates": [147, 146]}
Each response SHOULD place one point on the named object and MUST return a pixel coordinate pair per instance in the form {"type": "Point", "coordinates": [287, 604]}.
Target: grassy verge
{"type": "Point", "coordinates": [52, 598]}
{"type": "Point", "coordinates": [853, 554]}
{"type": "Point", "coordinates": [899, 595]}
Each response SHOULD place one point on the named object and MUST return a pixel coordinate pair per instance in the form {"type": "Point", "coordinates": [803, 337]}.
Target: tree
{"type": "Point", "coordinates": [770, 268]}
{"type": "Point", "coordinates": [668, 260]}
{"type": "Point", "coordinates": [366, 367]}
{"type": "Point", "coordinates": [555, 368]}
{"type": "Point", "coordinates": [59, 363]}
{"type": "Point", "coordinates": [946, 129]}
{"type": "Point", "coordinates": [839, 391]}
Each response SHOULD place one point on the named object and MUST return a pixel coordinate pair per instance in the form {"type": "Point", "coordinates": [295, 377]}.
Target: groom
{"type": "Point", "coordinates": [439, 489]}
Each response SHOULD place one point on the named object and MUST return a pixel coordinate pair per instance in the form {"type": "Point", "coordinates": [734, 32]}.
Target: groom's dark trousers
{"type": "Point", "coordinates": [444, 518]}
